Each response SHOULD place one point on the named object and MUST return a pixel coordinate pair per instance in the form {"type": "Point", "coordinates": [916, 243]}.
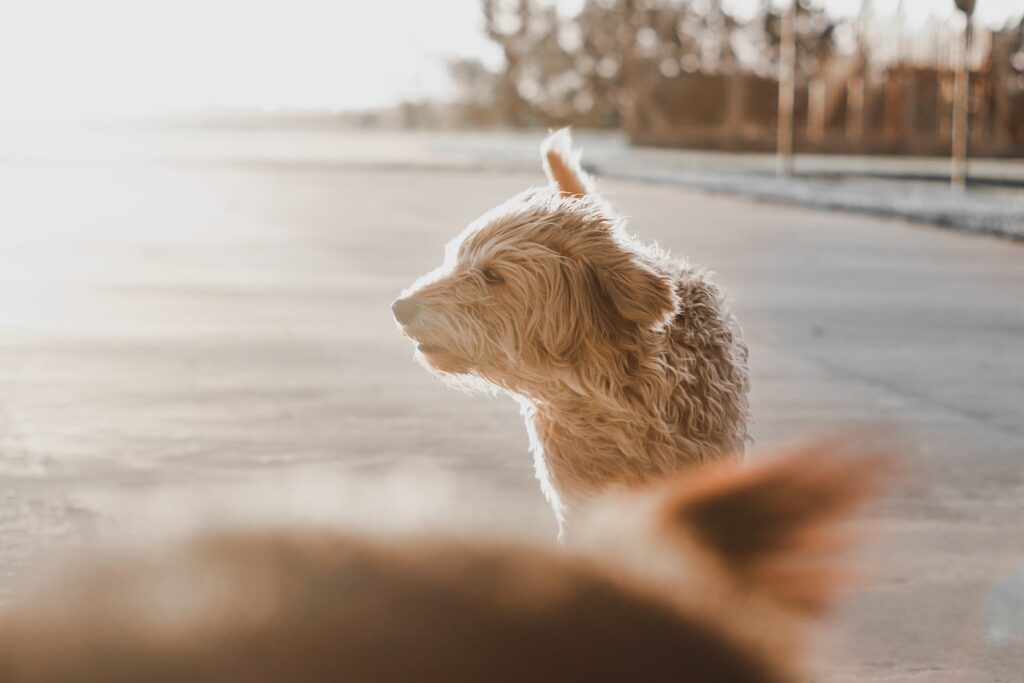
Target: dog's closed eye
{"type": "Point", "coordinates": [491, 277]}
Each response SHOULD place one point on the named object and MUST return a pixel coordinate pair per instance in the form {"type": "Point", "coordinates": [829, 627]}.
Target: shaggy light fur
{"type": "Point", "coordinates": [627, 362]}
{"type": "Point", "coordinates": [714, 578]}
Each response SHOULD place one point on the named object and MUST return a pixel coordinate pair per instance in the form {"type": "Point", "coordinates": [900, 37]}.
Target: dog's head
{"type": "Point", "coordinates": [537, 285]}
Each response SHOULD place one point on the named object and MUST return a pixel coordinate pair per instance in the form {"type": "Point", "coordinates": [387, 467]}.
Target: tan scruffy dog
{"type": "Point", "coordinates": [714, 578]}
{"type": "Point", "coordinates": [627, 362]}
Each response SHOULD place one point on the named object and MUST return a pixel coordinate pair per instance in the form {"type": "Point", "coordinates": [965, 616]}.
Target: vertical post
{"type": "Point", "coordinates": [735, 107]}
{"type": "Point", "coordinates": [857, 86]}
{"type": "Point", "coordinates": [856, 96]}
{"type": "Point", "coordinates": [817, 104]}
{"type": "Point", "coordinates": [901, 19]}
{"type": "Point", "coordinates": [629, 91]}
{"type": "Point", "coordinates": [893, 105]}
{"type": "Point", "coordinates": [961, 111]}
{"type": "Point", "coordinates": [787, 91]}
{"type": "Point", "coordinates": [892, 127]}
{"type": "Point", "coordinates": [962, 101]}
{"type": "Point", "coordinates": [947, 102]}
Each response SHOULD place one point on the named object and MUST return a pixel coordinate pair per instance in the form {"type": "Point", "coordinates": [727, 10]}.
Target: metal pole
{"type": "Point", "coordinates": [817, 106]}
{"type": "Point", "coordinates": [787, 91]}
{"type": "Point", "coordinates": [629, 88]}
{"type": "Point", "coordinates": [961, 110]}
{"type": "Point", "coordinates": [857, 87]}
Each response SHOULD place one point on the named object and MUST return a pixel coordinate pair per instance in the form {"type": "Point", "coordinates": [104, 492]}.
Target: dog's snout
{"type": "Point", "coordinates": [405, 310]}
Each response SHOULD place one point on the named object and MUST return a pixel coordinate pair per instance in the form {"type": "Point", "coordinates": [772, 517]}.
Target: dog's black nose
{"type": "Point", "coordinates": [405, 310]}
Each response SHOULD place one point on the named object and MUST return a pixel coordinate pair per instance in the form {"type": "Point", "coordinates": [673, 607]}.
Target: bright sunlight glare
{"type": "Point", "coordinates": [66, 59]}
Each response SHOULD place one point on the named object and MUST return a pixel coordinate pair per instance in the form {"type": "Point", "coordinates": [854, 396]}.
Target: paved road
{"type": "Point", "coordinates": [909, 188]}
{"type": "Point", "coordinates": [172, 331]}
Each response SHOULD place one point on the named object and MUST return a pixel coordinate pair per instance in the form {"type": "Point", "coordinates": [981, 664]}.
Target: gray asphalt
{"type": "Point", "coordinates": [908, 188]}
{"type": "Point", "coordinates": [173, 328]}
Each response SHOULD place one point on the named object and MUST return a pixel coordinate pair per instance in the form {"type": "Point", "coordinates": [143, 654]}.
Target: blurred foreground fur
{"type": "Point", "coordinates": [627, 362]}
{"type": "Point", "coordinates": [710, 578]}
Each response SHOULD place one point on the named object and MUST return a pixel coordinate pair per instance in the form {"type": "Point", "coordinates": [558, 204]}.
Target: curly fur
{"type": "Point", "coordinates": [626, 361]}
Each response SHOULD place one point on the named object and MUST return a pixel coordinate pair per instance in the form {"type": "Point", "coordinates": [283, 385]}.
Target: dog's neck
{"type": "Point", "coordinates": [622, 381]}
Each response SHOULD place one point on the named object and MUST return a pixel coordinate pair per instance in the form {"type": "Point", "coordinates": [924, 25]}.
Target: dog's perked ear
{"type": "Point", "coordinates": [562, 164]}
{"type": "Point", "coordinates": [773, 525]}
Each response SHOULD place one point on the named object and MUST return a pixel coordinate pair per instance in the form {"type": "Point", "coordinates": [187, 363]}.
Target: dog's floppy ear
{"type": "Point", "coordinates": [634, 290]}
{"type": "Point", "coordinates": [773, 525]}
{"type": "Point", "coordinates": [562, 164]}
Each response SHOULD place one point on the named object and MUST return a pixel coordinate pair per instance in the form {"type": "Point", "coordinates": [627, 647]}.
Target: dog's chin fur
{"type": "Point", "coordinates": [443, 363]}
{"type": "Point", "coordinates": [629, 360]}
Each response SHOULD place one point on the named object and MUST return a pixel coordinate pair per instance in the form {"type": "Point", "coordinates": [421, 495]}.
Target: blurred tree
{"type": "Point", "coordinates": [585, 69]}
{"type": "Point", "coordinates": [815, 38]}
{"type": "Point", "coordinates": [686, 72]}
{"type": "Point", "coordinates": [478, 89]}
{"type": "Point", "coordinates": [965, 6]}
{"type": "Point", "coordinates": [538, 81]}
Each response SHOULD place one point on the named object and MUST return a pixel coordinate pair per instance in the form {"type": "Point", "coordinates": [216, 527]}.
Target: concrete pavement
{"type": "Point", "coordinates": [911, 188]}
{"type": "Point", "coordinates": [172, 331]}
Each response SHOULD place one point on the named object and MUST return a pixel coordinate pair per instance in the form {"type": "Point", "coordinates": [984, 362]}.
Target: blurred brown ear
{"type": "Point", "coordinates": [562, 164]}
{"type": "Point", "coordinates": [775, 524]}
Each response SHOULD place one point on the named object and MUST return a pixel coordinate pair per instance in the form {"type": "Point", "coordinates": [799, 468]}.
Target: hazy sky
{"type": "Point", "coordinates": [106, 57]}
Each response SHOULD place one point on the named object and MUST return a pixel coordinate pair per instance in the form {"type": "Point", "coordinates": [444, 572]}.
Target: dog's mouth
{"type": "Point", "coordinates": [428, 348]}
{"type": "Point", "coordinates": [422, 346]}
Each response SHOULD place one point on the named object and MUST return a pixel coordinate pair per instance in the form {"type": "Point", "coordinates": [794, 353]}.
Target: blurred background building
{"type": "Point", "coordinates": [692, 74]}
